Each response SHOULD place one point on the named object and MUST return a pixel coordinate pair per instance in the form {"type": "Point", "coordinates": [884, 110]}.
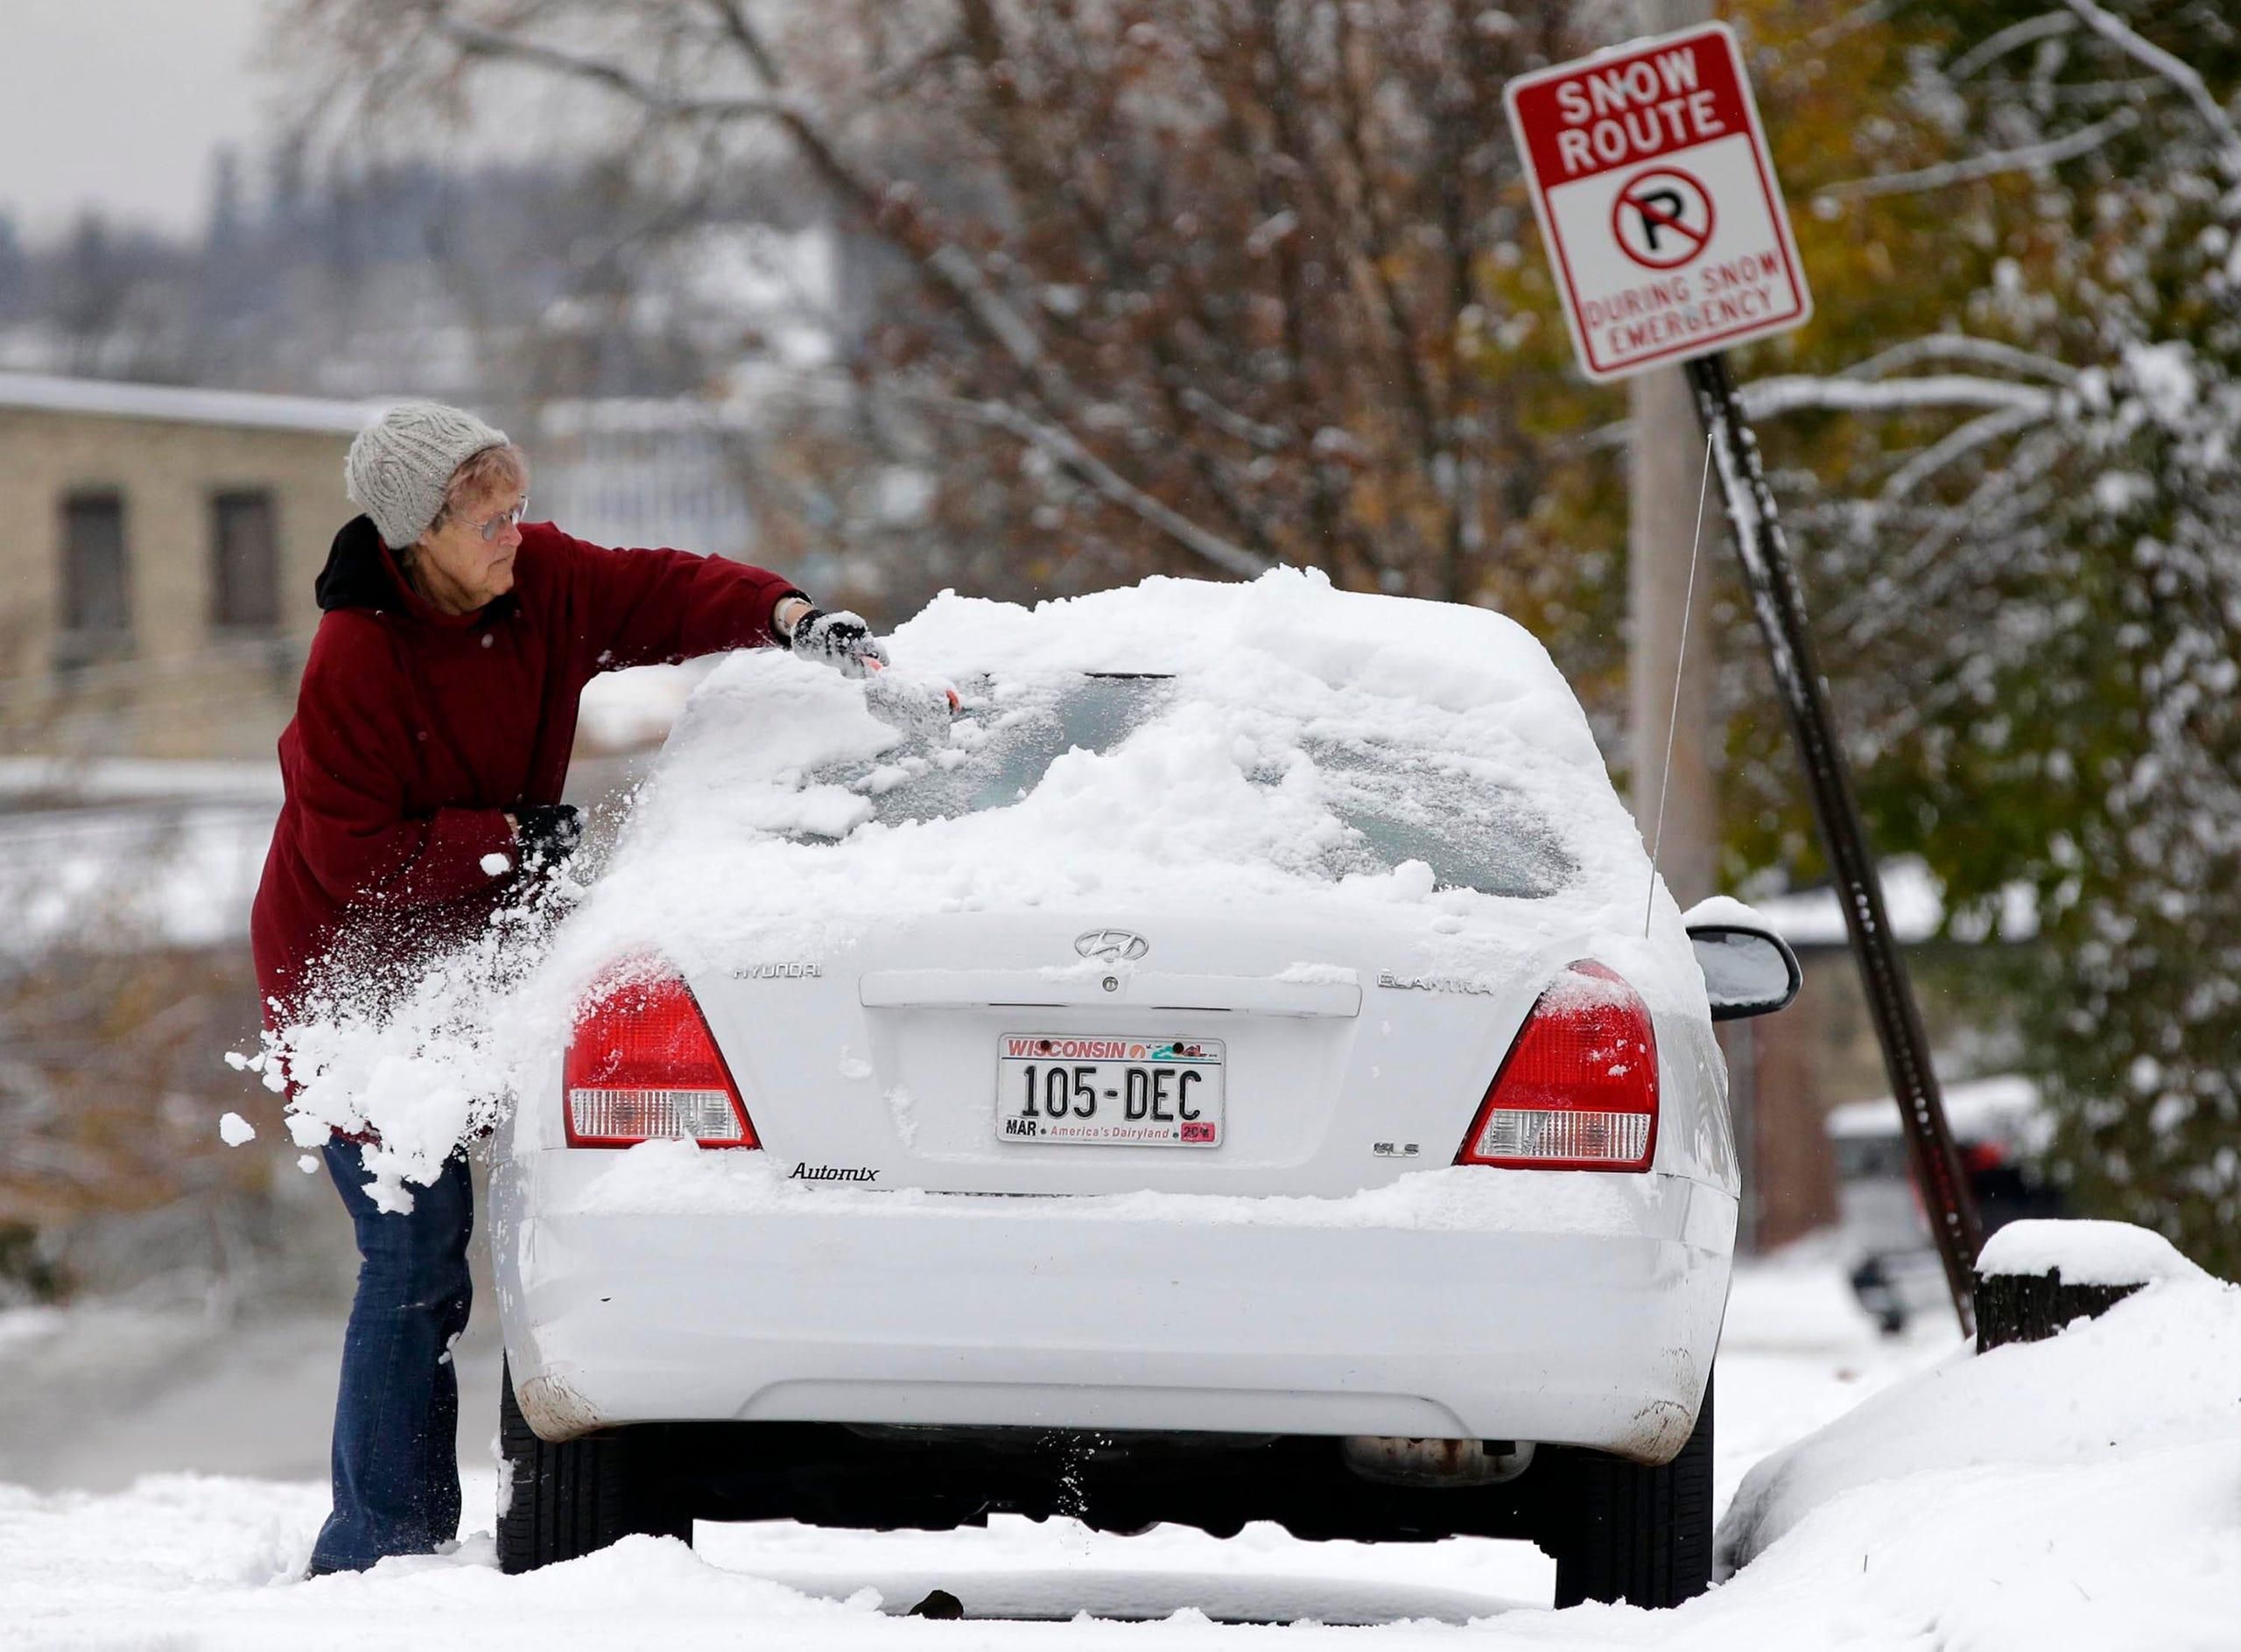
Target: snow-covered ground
{"type": "Point", "coordinates": [201, 1550]}
{"type": "Point", "coordinates": [2084, 1493]}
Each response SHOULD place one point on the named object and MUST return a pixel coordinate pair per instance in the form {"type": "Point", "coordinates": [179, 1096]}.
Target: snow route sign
{"type": "Point", "coordinates": [1657, 198]}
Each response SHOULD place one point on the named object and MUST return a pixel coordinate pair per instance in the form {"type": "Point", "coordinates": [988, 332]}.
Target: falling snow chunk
{"type": "Point", "coordinates": [497, 865]}
{"type": "Point", "coordinates": [308, 1164]}
{"type": "Point", "coordinates": [234, 1129]}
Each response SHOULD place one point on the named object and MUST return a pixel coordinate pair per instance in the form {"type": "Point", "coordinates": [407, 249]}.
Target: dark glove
{"type": "Point", "coordinates": [549, 833]}
{"type": "Point", "coordinates": [840, 640]}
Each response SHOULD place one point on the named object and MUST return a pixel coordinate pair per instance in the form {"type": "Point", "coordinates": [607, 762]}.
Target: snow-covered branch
{"type": "Point", "coordinates": [1980, 431]}
{"type": "Point", "coordinates": [1267, 438]}
{"type": "Point", "coordinates": [2024, 158]}
{"type": "Point", "coordinates": [1860, 17]}
{"type": "Point", "coordinates": [1766, 397]}
{"type": "Point", "coordinates": [1925, 574]}
{"type": "Point", "coordinates": [1993, 46]}
{"type": "Point", "coordinates": [1960, 346]}
{"type": "Point", "coordinates": [2183, 75]}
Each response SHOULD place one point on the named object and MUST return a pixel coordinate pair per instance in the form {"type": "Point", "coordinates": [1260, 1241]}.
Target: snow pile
{"type": "Point", "coordinates": [1234, 780]}
{"type": "Point", "coordinates": [2085, 1252]}
{"type": "Point", "coordinates": [2076, 1492]}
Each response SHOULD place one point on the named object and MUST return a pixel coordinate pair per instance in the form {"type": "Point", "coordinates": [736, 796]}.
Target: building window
{"type": "Point", "coordinates": [245, 561]}
{"type": "Point", "coordinates": [96, 605]}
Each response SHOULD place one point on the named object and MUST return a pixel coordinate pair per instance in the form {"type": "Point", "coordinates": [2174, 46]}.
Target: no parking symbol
{"type": "Point", "coordinates": [1661, 218]}
{"type": "Point", "coordinates": [1658, 201]}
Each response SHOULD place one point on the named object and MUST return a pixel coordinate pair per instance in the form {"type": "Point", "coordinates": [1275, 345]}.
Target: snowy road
{"type": "Point", "coordinates": [173, 1506]}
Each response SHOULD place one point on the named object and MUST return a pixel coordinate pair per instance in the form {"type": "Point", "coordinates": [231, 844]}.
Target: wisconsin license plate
{"type": "Point", "coordinates": [1119, 1091]}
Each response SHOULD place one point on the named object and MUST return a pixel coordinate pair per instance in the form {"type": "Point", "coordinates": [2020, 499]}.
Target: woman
{"type": "Point", "coordinates": [423, 775]}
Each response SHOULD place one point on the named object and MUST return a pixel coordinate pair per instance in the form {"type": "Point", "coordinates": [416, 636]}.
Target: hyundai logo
{"type": "Point", "coordinates": [1113, 945]}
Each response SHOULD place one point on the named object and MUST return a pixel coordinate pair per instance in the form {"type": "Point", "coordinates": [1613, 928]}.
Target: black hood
{"type": "Point", "coordinates": [356, 576]}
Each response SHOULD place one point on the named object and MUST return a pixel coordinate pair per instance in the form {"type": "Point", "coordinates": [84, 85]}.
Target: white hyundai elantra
{"type": "Point", "coordinates": [1242, 1068]}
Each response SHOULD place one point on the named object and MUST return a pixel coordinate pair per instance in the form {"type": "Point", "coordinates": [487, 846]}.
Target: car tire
{"type": "Point", "coordinates": [558, 1502]}
{"type": "Point", "coordinates": [1627, 1532]}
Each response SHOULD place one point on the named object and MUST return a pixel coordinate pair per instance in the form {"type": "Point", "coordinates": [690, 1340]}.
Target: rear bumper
{"type": "Point", "coordinates": [1564, 1308]}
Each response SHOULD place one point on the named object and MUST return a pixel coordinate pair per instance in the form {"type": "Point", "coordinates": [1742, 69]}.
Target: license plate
{"type": "Point", "coordinates": [1117, 1091]}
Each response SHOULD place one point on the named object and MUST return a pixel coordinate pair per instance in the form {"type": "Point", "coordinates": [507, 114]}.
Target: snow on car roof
{"type": "Point", "coordinates": [1215, 802]}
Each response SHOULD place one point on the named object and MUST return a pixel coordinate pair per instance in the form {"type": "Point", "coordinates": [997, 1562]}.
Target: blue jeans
{"type": "Point", "coordinates": [396, 1460]}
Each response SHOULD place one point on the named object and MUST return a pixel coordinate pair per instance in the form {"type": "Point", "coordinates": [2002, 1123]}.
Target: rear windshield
{"type": "Point", "coordinates": [1397, 803]}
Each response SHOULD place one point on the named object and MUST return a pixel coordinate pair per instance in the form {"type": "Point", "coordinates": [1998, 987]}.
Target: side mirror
{"type": "Point", "coordinates": [1749, 970]}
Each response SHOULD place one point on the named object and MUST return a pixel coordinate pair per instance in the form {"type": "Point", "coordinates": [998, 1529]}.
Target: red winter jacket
{"type": "Point", "coordinates": [415, 732]}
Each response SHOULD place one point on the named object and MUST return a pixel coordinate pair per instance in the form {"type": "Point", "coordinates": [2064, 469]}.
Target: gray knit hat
{"type": "Point", "coordinates": [398, 466]}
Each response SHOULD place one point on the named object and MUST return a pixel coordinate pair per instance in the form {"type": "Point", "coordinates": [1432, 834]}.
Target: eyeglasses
{"type": "Point", "coordinates": [502, 521]}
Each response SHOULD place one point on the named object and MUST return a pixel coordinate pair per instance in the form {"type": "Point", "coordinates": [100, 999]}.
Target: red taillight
{"type": "Point", "coordinates": [1578, 1089]}
{"type": "Point", "coordinates": [642, 1064]}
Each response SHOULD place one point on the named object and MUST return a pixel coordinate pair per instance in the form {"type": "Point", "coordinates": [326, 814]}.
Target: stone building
{"type": "Point", "coordinates": [158, 549]}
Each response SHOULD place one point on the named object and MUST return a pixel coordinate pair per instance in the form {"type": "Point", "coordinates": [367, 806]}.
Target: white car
{"type": "Point", "coordinates": [1243, 1069]}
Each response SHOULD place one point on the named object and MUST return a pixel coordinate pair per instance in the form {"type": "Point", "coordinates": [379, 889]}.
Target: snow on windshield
{"type": "Point", "coordinates": [1393, 802]}
{"type": "Point", "coordinates": [1177, 740]}
{"type": "Point", "coordinates": [1175, 745]}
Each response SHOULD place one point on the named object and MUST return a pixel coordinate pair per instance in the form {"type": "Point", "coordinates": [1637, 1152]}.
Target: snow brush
{"type": "Point", "coordinates": [921, 706]}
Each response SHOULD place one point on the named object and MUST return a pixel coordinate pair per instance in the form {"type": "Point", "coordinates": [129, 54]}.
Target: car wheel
{"type": "Point", "coordinates": [557, 1501]}
{"type": "Point", "coordinates": [1625, 1532]}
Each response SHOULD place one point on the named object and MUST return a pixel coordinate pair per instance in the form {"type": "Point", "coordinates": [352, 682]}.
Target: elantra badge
{"type": "Point", "coordinates": [1111, 945]}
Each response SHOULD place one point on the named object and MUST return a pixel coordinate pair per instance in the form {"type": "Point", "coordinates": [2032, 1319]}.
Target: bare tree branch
{"type": "Point", "coordinates": [948, 266]}
{"type": "Point", "coordinates": [475, 41]}
{"type": "Point", "coordinates": [952, 270]}
{"type": "Point", "coordinates": [1107, 483]}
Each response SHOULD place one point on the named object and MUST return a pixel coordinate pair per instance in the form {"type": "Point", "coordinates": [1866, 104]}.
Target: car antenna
{"type": "Point", "coordinates": [1679, 658]}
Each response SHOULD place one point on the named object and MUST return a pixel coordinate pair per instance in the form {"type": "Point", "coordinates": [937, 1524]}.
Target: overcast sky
{"type": "Point", "coordinates": [119, 103]}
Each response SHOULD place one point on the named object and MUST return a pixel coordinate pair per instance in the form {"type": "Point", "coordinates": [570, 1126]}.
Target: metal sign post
{"type": "Point", "coordinates": [1657, 200]}
{"type": "Point", "coordinates": [1779, 609]}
